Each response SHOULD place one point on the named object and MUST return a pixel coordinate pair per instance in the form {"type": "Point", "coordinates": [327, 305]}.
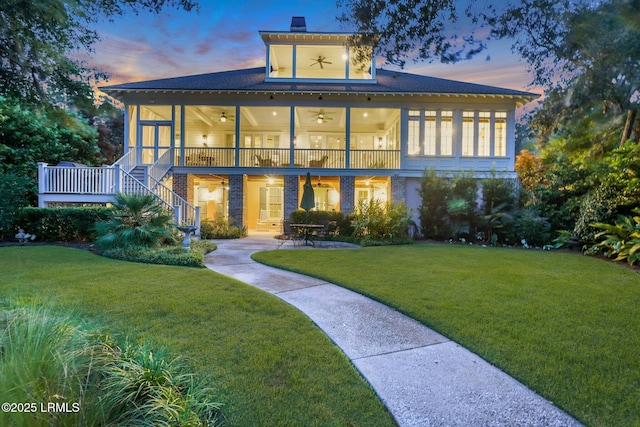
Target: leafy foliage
{"type": "Point", "coordinates": [375, 221]}
{"type": "Point", "coordinates": [412, 27]}
{"type": "Point", "coordinates": [62, 224]}
{"type": "Point", "coordinates": [12, 197]}
{"type": "Point", "coordinates": [221, 228]}
{"type": "Point", "coordinates": [52, 357]}
{"type": "Point", "coordinates": [622, 239]}
{"type": "Point", "coordinates": [38, 38]}
{"type": "Point", "coordinates": [29, 137]}
{"type": "Point", "coordinates": [137, 220]}
{"type": "Point", "coordinates": [434, 191]}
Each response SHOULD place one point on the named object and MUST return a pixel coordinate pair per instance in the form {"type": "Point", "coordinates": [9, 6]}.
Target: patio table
{"type": "Point", "coordinates": [306, 230]}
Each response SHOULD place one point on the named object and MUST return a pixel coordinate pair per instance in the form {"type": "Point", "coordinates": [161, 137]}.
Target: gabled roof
{"type": "Point", "coordinates": [252, 80]}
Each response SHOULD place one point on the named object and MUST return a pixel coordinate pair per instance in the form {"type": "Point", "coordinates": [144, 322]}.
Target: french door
{"type": "Point", "coordinates": [155, 139]}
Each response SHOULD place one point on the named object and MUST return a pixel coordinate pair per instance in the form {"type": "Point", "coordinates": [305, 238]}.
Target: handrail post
{"type": "Point", "coordinates": [42, 182]}
{"type": "Point", "coordinates": [117, 184]}
{"type": "Point", "coordinates": [176, 214]}
{"type": "Point", "coordinates": [197, 219]}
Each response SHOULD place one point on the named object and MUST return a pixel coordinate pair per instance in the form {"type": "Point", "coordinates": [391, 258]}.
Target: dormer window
{"type": "Point", "coordinates": [299, 55]}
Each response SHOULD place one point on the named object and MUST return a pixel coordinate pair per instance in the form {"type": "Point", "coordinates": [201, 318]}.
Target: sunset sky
{"type": "Point", "coordinates": [224, 36]}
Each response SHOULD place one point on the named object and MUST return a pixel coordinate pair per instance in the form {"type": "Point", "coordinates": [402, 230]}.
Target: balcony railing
{"type": "Point", "coordinates": [218, 157]}
{"type": "Point", "coordinates": [281, 158]}
{"type": "Point", "coordinates": [375, 159]}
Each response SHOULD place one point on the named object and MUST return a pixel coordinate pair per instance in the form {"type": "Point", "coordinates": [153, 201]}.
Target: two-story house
{"type": "Point", "coordinates": [240, 143]}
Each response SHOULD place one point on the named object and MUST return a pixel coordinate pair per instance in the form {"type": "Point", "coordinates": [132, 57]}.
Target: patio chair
{"type": "Point", "coordinates": [288, 233]}
{"type": "Point", "coordinates": [318, 163]}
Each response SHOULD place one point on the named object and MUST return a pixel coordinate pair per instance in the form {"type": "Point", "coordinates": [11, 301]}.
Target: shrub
{"type": "Point", "coordinates": [146, 388]}
{"type": "Point", "coordinates": [375, 221]}
{"type": "Point", "coordinates": [621, 240]}
{"type": "Point", "coordinates": [52, 357]}
{"type": "Point", "coordinates": [12, 189]}
{"type": "Point", "coordinates": [136, 220]}
{"type": "Point", "coordinates": [531, 227]}
{"type": "Point", "coordinates": [434, 191]}
{"type": "Point", "coordinates": [220, 228]}
{"type": "Point", "coordinates": [172, 255]}
{"type": "Point", "coordinates": [62, 224]}
{"type": "Point", "coordinates": [498, 192]}
{"type": "Point", "coordinates": [599, 206]}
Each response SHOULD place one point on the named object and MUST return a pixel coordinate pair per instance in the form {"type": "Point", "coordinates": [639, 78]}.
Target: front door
{"type": "Point", "coordinates": [155, 139]}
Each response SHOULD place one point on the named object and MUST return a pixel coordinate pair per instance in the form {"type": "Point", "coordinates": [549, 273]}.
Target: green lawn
{"type": "Point", "coordinates": [270, 363]}
{"type": "Point", "coordinates": [566, 325]}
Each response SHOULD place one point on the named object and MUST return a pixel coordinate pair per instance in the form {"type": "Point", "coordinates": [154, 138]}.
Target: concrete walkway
{"type": "Point", "coordinates": [422, 377]}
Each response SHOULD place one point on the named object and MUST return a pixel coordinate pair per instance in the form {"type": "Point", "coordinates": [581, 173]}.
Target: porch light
{"type": "Point", "coordinates": [204, 140]}
{"type": "Point", "coordinates": [223, 117]}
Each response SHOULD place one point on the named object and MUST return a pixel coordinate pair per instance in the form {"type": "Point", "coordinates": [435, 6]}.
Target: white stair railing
{"type": "Point", "coordinates": [187, 213]}
{"type": "Point", "coordinates": [127, 162]}
{"type": "Point", "coordinates": [160, 168]}
{"type": "Point", "coordinates": [183, 212]}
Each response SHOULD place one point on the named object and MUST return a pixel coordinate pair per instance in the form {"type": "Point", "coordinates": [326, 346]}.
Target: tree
{"type": "Point", "coordinates": [556, 38]}
{"type": "Point", "coordinates": [38, 36]}
{"type": "Point", "coordinates": [581, 66]}
{"type": "Point", "coordinates": [414, 29]}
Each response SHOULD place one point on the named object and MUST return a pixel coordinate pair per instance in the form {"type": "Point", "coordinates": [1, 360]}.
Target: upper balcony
{"type": "Point", "coordinates": [285, 158]}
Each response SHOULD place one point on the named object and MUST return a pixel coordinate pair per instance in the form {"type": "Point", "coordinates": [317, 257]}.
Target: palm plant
{"type": "Point", "coordinates": [137, 220]}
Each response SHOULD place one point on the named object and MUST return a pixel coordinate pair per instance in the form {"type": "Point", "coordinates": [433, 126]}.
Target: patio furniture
{"type": "Point", "coordinates": [307, 231]}
{"type": "Point", "coordinates": [260, 161]}
{"type": "Point", "coordinates": [318, 163]}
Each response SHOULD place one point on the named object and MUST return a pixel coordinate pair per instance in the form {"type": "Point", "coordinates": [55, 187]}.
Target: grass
{"type": "Point", "coordinates": [51, 357]}
{"type": "Point", "coordinates": [270, 365]}
{"type": "Point", "coordinates": [568, 326]}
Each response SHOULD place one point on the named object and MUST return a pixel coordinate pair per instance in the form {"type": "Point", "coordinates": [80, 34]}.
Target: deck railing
{"type": "Point", "coordinates": [281, 158]}
{"type": "Point", "coordinates": [222, 157]}
{"type": "Point", "coordinates": [302, 158]}
{"type": "Point", "coordinates": [74, 180]}
{"type": "Point", "coordinates": [108, 180]}
{"type": "Point", "coordinates": [127, 162]}
{"type": "Point", "coordinates": [374, 159]}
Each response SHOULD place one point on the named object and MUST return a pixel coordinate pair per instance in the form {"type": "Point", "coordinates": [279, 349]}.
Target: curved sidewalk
{"type": "Point", "coordinates": [422, 377]}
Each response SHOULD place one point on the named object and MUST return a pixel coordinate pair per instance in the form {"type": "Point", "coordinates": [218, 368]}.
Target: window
{"type": "Point", "coordinates": [430, 133]}
{"type": "Point", "coordinates": [500, 134]}
{"type": "Point", "coordinates": [446, 133]}
{"type": "Point", "coordinates": [281, 61]}
{"type": "Point", "coordinates": [414, 133]}
{"type": "Point", "coordinates": [484, 134]}
{"type": "Point", "coordinates": [467, 132]}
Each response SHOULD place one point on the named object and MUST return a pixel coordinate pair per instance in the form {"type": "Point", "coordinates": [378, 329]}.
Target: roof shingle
{"type": "Point", "coordinates": [253, 80]}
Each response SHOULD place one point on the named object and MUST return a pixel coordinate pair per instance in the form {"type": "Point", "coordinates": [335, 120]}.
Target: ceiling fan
{"type": "Point", "coordinates": [223, 117]}
{"type": "Point", "coordinates": [320, 61]}
{"type": "Point", "coordinates": [321, 117]}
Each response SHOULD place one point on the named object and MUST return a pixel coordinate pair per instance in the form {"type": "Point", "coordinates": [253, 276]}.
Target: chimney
{"type": "Point", "coordinates": [298, 24]}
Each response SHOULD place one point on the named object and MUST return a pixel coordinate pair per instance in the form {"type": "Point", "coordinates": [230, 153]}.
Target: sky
{"type": "Point", "coordinates": [224, 36]}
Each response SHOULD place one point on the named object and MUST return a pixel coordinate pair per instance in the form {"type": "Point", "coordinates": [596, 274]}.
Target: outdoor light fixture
{"type": "Point", "coordinates": [223, 117]}
{"type": "Point", "coordinates": [204, 140]}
